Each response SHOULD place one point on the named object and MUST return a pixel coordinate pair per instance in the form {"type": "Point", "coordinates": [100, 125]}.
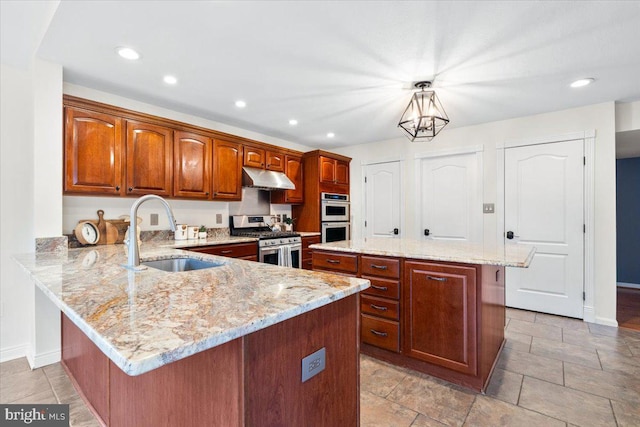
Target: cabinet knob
{"type": "Point", "coordinates": [207, 193]}
{"type": "Point", "coordinates": [130, 189]}
{"type": "Point", "coordinates": [117, 188]}
{"type": "Point", "coordinates": [261, 164]}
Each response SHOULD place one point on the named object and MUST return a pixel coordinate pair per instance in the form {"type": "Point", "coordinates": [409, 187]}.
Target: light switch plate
{"type": "Point", "coordinates": [488, 208]}
{"type": "Point", "coordinates": [153, 219]}
{"type": "Point", "coordinates": [313, 364]}
{"type": "Point", "coordinates": [218, 218]}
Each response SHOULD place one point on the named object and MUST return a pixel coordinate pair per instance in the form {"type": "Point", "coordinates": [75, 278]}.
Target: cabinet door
{"type": "Point", "coordinates": [254, 157]}
{"type": "Point", "coordinates": [294, 172]}
{"type": "Point", "coordinates": [327, 169]}
{"type": "Point", "coordinates": [342, 172]}
{"type": "Point", "coordinates": [439, 304]}
{"type": "Point", "coordinates": [275, 161]}
{"type": "Point", "coordinates": [149, 159]}
{"type": "Point", "coordinates": [92, 152]}
{"type": "Point", "coordinates": [192, 165]}
{"type": "Point", "coordinates": [227, 170]}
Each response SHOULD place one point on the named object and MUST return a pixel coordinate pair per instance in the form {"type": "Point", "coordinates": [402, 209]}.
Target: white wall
{"type": "Point", "coordinates": [600, 117]}
{"type": "Point", "coordinates": [627, 116]}
{"type": "Point", "coordinates": [16, 208]}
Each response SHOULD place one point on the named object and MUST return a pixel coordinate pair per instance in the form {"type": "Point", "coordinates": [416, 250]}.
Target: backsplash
{"type": "Point", "coordinates": [153, 236]}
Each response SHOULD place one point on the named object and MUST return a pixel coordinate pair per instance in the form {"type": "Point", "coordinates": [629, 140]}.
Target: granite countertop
{"type": "Point", "coordinates": [436, 250]}
{"type": "Point", "coordinates": [144, 320]}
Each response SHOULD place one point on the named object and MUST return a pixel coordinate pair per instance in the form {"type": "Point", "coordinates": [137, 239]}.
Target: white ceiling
{"type": "Point", "coordinates": [344, 67]}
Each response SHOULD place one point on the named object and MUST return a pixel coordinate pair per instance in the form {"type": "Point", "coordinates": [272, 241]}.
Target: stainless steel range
{"type": "Point", "coordinates": [282, 248]}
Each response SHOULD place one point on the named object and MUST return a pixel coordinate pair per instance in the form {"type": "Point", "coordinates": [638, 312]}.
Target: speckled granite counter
{"type": "Point", "coordinates": [145, 320]}
{"type": "Point", "coordinates": [435, 250]}
{"type": "Point", "coordinates": [308, 233]}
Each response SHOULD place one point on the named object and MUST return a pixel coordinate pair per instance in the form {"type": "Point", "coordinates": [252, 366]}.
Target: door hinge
{"type": "Point", "coordinates": [584, 297]}
{"type": "Point", "coordinates": [584, 228]}
{"type": "Point", "coordinates": [365, 223]}
{"type": "Point", "coordinates": [584, 160]}
{"type": "Point", "coordinates": [365, 179]}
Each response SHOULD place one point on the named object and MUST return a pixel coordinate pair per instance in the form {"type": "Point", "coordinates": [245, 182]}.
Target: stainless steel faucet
{"type": "Point", "coordinates": [133, 262]}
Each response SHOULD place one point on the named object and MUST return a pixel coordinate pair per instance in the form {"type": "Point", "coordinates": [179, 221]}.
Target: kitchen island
{"type": "Point", "coordinates": [434, 306]}
{"type": "Point", "coordinates": [218, 346]}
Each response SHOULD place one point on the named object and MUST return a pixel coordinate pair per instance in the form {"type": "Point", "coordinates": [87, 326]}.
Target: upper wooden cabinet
{"type": "Point", "coordinates": [149, 159]}
{"type": "Point", "coordinates": [334, 171]}
{"type": "Point", "coordinates": [263, 159]}
{"type": "Point", "coordinates": [294, 171]}
{"type": "Point", "coordinates": [93, 149]}
{"type": "Point", "coordinates": [192, 165]}
{"type": "Point", "coordinates": [227, 170]}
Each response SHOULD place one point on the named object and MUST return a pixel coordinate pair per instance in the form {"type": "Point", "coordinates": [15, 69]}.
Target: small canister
{"type": "Point", "coordinates": [181, 232]}
{"type": "Point", "coordinates": [193, 232]}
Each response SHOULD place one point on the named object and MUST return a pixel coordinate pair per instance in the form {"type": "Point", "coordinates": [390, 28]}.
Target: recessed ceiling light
{"type": "Point", "coordinates": [582, 82]}
{"type": "Point", "coordinates": [293, 122]}
{"type": "Point", "coordinates": [241, 104]}
{"type": "Point", "coordinates": [170, 80]}
{"type": "Point", "coordinates": [128, 53]}
{"type": "Point", "coordinates": [331, 135]}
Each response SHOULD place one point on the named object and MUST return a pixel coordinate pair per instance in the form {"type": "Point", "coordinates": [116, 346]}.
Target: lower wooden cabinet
{"type": "Point", "coordinates": [440, 315]}
{"type": "Point", "coordinates": [247, 251]}
{"type": "Point", "coordinates": [380, 332]}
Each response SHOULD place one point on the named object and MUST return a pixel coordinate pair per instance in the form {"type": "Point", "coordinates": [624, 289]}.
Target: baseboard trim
{"type": "Point", "coordinates": [44, 359]}
{"type": "Point", "coordinates": [589, 314]}
{"type": "Point", "coordinates": [606, 321]}
{"type": "Point", "coordinates": [15, 352]}
{"type": "Point", "coordinates": [628, 285]}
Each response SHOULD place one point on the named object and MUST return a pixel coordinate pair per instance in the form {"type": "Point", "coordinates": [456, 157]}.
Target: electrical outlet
{"type": "Point", "coordinates": [313, 364]}
{"type": "Point", "coordinates": [488, 208]}
{"type": "Point", "coordinates": [218, 218]}
{"type": "Point", "coordinates": [153, 219]}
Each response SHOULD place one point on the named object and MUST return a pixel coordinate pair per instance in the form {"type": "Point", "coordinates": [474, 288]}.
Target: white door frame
{"type": "Point", "coordinates": [478, 150]}
{"type": "Point", "coordinates": [363, 165]}
{"type": "Point", "coordinates": [589, 137]}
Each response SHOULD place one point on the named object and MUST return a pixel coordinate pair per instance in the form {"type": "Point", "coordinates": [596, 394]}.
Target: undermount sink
{"type": "Point", "coordinates": [176, 265]}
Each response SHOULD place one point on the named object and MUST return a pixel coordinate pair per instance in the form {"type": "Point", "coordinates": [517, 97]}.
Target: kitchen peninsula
{"type": "Point", "coordinates": [434, 306]}
{"type": "Point", "coordinates": [217, 346]}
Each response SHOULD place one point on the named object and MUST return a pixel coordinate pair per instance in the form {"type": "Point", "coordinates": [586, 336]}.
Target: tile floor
{"type": "Point", "coordinates": [554, 371]}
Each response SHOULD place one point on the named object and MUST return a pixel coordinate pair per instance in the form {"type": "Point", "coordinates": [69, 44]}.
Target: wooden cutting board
{"type": "Point", "coordinates": [108, 231]}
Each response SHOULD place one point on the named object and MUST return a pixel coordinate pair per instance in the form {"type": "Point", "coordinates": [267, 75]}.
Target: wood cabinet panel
{"type": "Point", "coordinates": [254, 157]}
{"type": "Point", "coordinates": [192, 165]}
{"type": "Point", "coordinates": [227, 170]}
{"type": "Point", "coordinates": [346, 263]}
{"type": "Point", "coordinates": [381, 267]}
{"type": "Point", "coordinates": [342, 172]}
{"type": "Point", "coordinates": [439, 307]}
{"type": "Point", "coordinates": [234, 250]}
{"type": "Point", "coordinates": [327, 169]}
{"type": "Point", "coordinates": [307, 254]}
{"type": "Point", "coordinates": [275, 161]}
{"type": "Point", "coordinates": [149, 159]}
{"type": "Point", "coordinates": [381, 307]}
{"type": "Point", "coordinates": [294, 171]}
{"type": "Point", "coordinates": [383, 287]}
{"type": "Point", "coordinates": [93, 151]}
{"type": "Point", "coordinates": [380, 332]}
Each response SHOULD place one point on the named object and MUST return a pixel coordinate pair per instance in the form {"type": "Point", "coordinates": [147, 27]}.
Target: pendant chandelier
{"type": "Point", "coordinates": [424, 117]}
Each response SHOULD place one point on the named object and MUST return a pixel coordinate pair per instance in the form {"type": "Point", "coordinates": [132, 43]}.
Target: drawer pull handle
{"type": "Point", "coordinates": [380, 288]}
{"type": "Point", "coordinates": [379, 267]}
{"type": "Point", "coordinates": [439, 279]}
{"type": "Point", "coordinates": [378, 333]}
{"type": "Point", "coordinates": [227, 251]}
{"type": "Point", "coordinates": [378, 307]}
{"type": "Point", "coordinates": [333, 261]}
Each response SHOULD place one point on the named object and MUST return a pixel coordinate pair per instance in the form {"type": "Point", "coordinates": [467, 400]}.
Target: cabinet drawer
{"type": "Point", "coordinates": [307, 241]}
{"type": "Point", "coordinates": [335, 261]}
{"type": "Point", "coordinates": [383, 287]}
{"type": "Point", "coordinates": [379, 332]}
{"type": "Point", "coordinates": [239, 250]}
{"type": "Point", "coordinates": [379, 307]}
{"type": "Point", "coordinates": [382, 267]}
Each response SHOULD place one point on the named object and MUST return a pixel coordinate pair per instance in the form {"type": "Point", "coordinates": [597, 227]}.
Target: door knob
{"type": "Point", "coordinates": [396, 231]}
{"type": "Point", "coordinates": [426, 231]}
{"type": "Point", "coordinates": [510, 235]}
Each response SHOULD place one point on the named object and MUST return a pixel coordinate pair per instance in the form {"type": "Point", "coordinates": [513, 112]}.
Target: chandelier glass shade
{"type": "Point", "coordinates": [424, 117]}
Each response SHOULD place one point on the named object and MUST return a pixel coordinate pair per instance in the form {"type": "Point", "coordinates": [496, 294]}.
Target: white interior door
{"type": "Point", "coordinates": [451, 197]}
{"type": "Point", "coordinates": [544, 205]}
{"type": "Point", "coordinates": [382, 200]}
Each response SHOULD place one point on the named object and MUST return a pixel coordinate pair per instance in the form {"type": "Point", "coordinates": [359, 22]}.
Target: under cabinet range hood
{"type": "Point", "coordinates": [265, 179]}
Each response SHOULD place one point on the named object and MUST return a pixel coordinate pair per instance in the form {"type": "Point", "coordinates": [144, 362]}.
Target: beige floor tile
{"type": "Point", "coordinates": [535, 329]}
{"type": "Point", "coordinates": [424, 421]}
{"type": "Point", "coordinates": [616, 362]}
{"type": "Point", "coordinates": [63, 389]}
{"type": "Point", "coordinates": [601, 342]}
{"type": "Point", "coordinates": [436, 399]}
{"type": "Point", "coordinates": [611, 385]}
{"type": "Point", "coordinates": [577, 407]}
{"type": "Point", "coordinates": [80, 415]}
{"type": "Point", "coordinates": [563, 322]}
{"type": "Point", "coordinates": [54, 371]}
{"type": "Point", "coordinates": [514, 313]}
{"type": "Point", "coordinates": [565, 352]}
{"type": "Point", "coordinates": [14, 366]}
{"type": "Point", "coordinates": [532, 365]}
{"type": "Point", "coordinates": [627, 414]}
{"type": "Point", "coordinates": [516, 341]}
{"type": "Point", "coordinates": [19, 385]}
{"type": "Point", "coordinates": [376, 411]}
{"type": "Point", "coordinates": [505, 385]}
{"type": "Point", "coordinates": [41, 397]}
{"type": "Point", "coordinates": [378, 377]}
{"type": "Point", "coordinates": [487, 412]}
